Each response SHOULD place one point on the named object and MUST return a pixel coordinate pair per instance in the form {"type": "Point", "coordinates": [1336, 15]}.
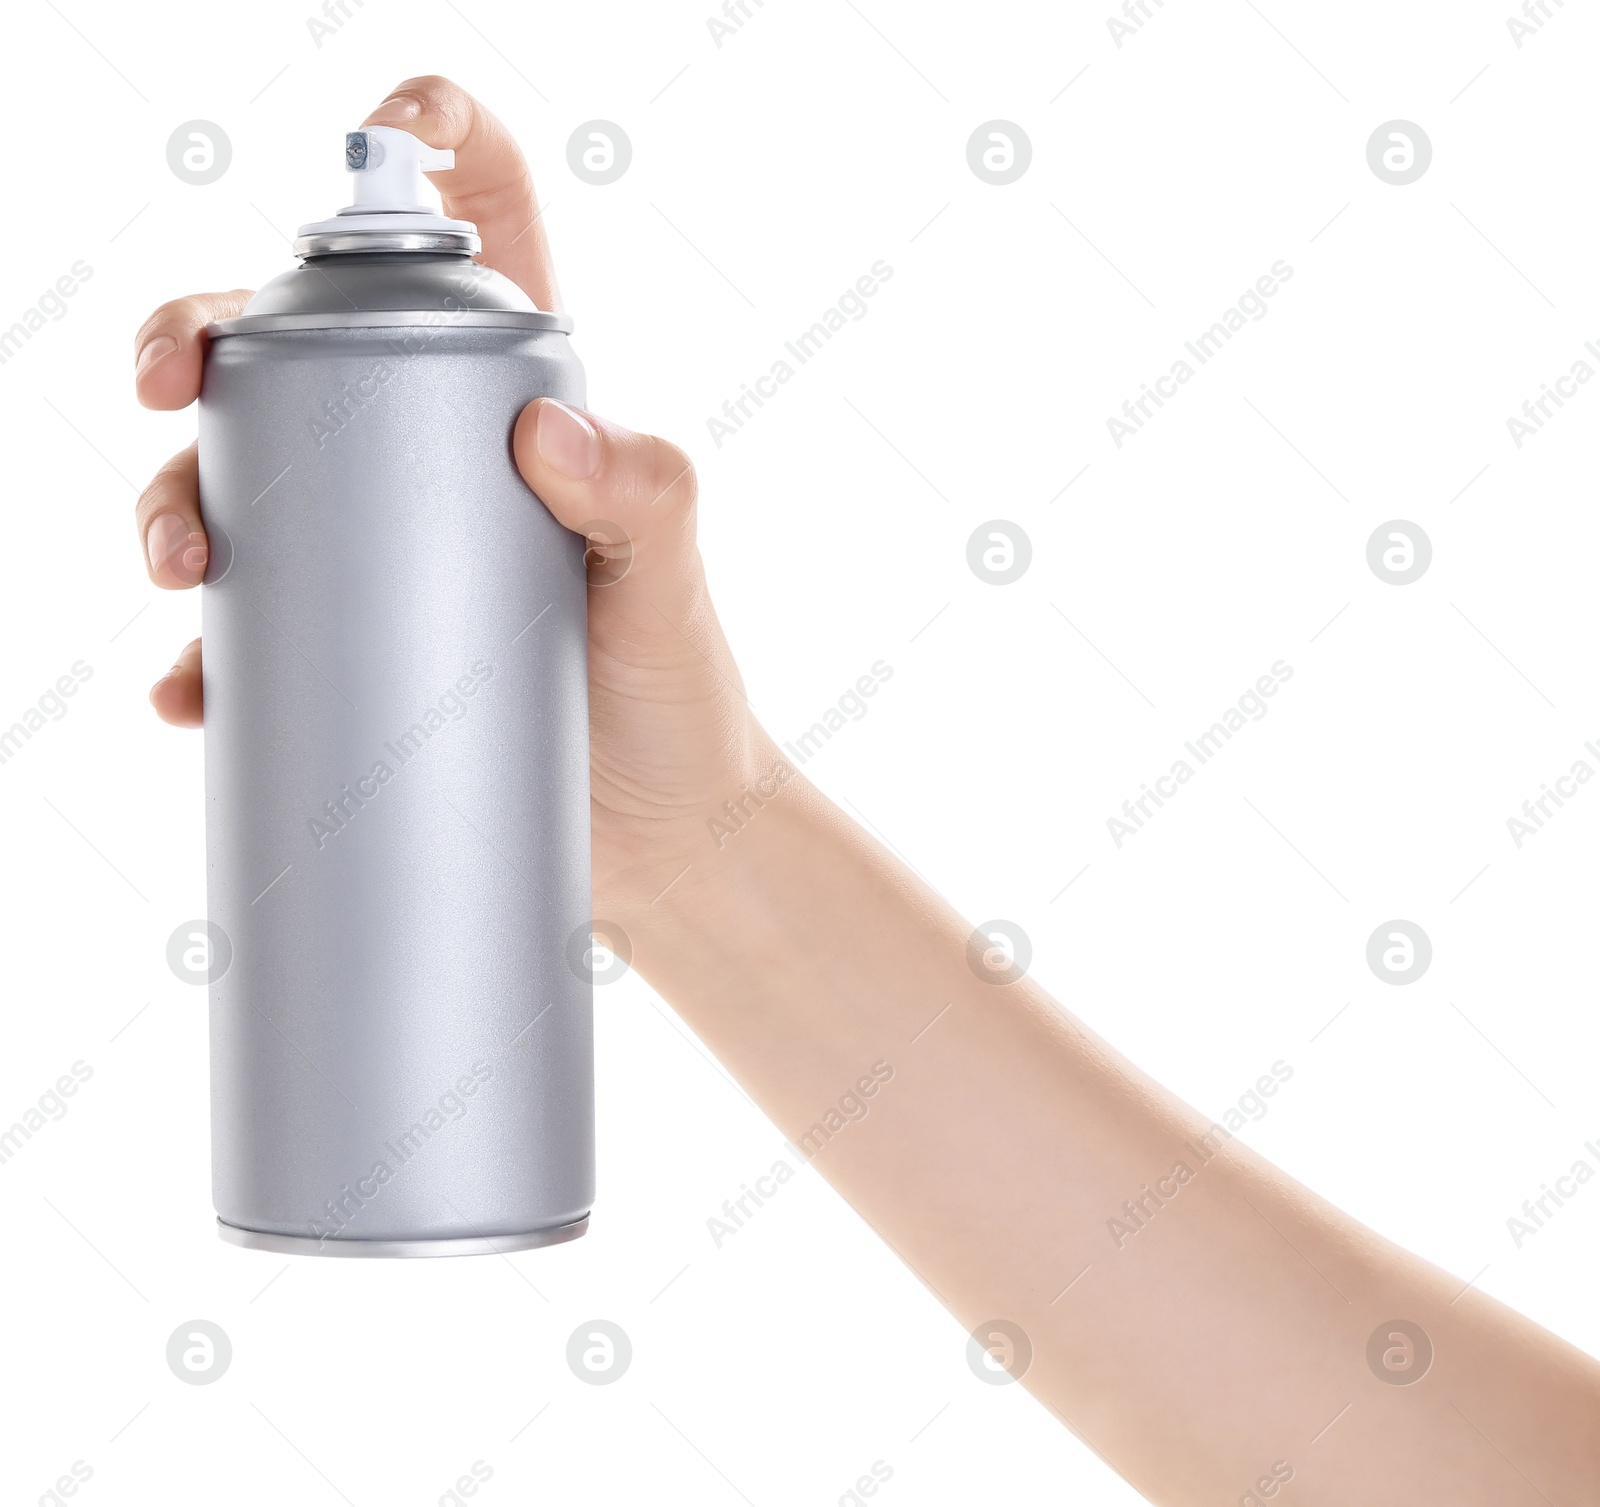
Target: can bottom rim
{"type": "Point", "coordinates": [473, 1245]}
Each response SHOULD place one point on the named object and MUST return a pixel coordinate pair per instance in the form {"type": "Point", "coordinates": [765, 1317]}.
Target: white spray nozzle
{"type": "Point", "coordinates": [396, 208]}
{"type": "Point", "coordinates": [388, 165]}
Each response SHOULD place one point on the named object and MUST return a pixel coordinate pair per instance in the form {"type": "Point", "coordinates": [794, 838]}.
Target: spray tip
{"type": "Point", "coordinates": [388, 165]}
{"type": "Point", "coordinates": [395, 208]}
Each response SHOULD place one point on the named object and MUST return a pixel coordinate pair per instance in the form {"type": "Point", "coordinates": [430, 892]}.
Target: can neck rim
{"type": "Point", "coordinates": [336, 242]}
{"type": "Point", "coordinates": [431, 320]}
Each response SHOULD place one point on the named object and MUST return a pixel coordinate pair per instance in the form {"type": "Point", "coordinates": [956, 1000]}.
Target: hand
{"type": "Point", "coordinates": [671, 735]}
{"type": "Point", "coordinates": [985, 1133]}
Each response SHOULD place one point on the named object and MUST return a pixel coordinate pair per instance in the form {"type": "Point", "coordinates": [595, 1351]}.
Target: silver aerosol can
{"type": "Point", "coordinates": [397, 765]}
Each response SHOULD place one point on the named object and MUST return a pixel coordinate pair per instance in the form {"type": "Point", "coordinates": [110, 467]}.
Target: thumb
{"type": "Point", "coordinates": [632, 496]}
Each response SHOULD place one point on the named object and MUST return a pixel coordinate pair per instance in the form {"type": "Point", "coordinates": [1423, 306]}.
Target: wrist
{"type": "Point", "coordinates": [724, 853]}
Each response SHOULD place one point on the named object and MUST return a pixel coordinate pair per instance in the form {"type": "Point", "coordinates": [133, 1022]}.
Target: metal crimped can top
{"type": "Point", "coordinates": [355, 291]}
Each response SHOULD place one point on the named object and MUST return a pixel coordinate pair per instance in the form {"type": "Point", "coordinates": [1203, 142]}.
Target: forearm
{"type": "Point", "coordinates": [1217, 1339]}
{"type": "Point", "coordinates": [1195, 1329]}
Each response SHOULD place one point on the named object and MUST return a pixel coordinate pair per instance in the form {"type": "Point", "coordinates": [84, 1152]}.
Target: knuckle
{"type": "Point", "coordinates": [175, 476]}
{"type": "Point", "coordinates": [673, 481]}
{"type": "Point", "coordinates": [155, 490]}
{"type": "Point", "coordinates": [185, 317]}
{"type": "Point", "coordinates": [160, 322]}
{"type": "Point", "coordinates": [510, 196]}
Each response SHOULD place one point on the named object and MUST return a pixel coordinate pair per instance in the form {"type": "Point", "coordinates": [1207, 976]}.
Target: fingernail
{"type": "Point", "coordinates": [400, 107]}
{"type": "Point", "coordinates": [154, 350]}
{"type": "Point", "coordinates": [171, 542]}
{"type": "Point", "coordinates": [567, 441]}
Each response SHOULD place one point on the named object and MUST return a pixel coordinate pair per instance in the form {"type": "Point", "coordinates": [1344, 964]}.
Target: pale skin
{"type": "Point", "coordinates": [1204, 1355]}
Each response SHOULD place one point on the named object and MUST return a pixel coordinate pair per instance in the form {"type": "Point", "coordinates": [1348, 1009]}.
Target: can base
{"type": "Point", "coordinates": [473, 1245]}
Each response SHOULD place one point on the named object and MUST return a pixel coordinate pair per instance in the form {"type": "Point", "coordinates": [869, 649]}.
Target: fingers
{"type": "Point", "coordinates": [177, 695]}
{"type": "Point", "coordinates": [171, 343]}
{"type": "Point", "coordinates": [633, 495]}
{"type": "Point", "coordinates": [168, 518]}
{"type": "Point", "coordinates": [489, 184]}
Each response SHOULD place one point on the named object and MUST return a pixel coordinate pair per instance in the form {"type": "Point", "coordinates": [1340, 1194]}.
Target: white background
{"type": "Point", "coordinates": [768, 174]}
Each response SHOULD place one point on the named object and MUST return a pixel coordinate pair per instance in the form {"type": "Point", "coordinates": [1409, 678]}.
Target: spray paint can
{"type": "Point", "coordinates": [397, 768]}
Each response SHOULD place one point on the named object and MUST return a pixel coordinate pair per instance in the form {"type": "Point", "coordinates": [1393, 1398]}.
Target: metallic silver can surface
{"type": "Point", "coordinates": [397, 780]}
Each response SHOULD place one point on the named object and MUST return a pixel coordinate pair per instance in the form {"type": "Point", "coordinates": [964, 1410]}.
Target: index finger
{"type": "Point", "coordinates": [489, 185]}
{"type": "Point", "coordinates": [170, 347]}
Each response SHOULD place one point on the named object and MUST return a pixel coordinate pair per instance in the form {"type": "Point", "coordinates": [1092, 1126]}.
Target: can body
{"type": "Point", "coordinates": [397, 793]}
